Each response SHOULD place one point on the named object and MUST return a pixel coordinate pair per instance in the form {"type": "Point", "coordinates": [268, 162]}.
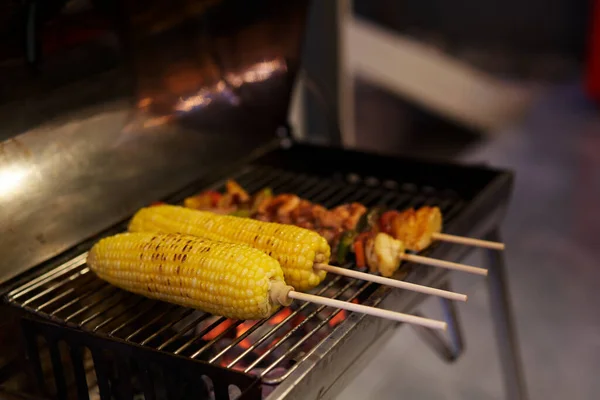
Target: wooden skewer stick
{"type": "Point", "coordinates": [391, 282]}
{"type": "Point", "coordinates": [444, 237]}
{"type": "Point", "coordinates": [444, 264]}
{"type": "Point", "coordinates": [376, 312]}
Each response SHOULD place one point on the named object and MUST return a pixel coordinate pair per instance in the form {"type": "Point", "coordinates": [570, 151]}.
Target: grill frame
{"type": "Point", "coordinates": [486, 194]}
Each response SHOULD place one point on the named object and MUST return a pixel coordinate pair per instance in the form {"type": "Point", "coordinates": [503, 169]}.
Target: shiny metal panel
{"type": "Point", "coordinates": [202, 84]}
{"type": "Point", "coordinates": [67, 181]}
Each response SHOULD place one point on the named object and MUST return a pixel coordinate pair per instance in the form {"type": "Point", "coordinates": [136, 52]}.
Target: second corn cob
{"type": "Point", "coordinates": [296, 249]}
{"type": "Point", "coordinates": [225, 279]}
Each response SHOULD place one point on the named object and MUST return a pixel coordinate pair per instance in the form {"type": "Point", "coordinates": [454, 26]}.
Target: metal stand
{"type": "Point", "coordinates": [448, 349]}
{"type": "Point", "coordinates": [506, 338]}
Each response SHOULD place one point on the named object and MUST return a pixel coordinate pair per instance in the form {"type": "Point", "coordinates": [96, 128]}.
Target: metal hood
{"type": "Point", "coordinates": [152, 96]}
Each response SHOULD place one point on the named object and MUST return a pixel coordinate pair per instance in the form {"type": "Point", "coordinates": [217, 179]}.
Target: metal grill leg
{"type": "Point", "coordinates": [448, 349]}
{"type": "Point", "coordinates": [506, 338]}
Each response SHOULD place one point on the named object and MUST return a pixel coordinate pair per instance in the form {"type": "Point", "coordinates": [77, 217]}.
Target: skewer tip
{"type": "Point", "coordinates": [280, 293]}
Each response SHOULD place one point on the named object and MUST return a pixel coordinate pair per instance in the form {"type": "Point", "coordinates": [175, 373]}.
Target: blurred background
{"type": "Point", "coordinates": [512, 84]}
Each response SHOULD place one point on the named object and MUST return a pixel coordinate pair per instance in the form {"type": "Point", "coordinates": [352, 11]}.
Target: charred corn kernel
{"type": "Point", "coordinates": [226, 279]}
{"type": "Point", "coordinates": [296, 249]}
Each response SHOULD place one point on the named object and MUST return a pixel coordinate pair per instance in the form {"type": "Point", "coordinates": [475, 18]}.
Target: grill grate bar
{"type": "Point", "coordinates": [57, 285]}
{"type": "Point", "coordinates": [128, 322]}
{"type": "Point", "coordinates": [291, 332]}
{"type": "Point", "coordinates": [328, 192]}
{"type": "Point", "coordinates": [454, 210]}
{"type": "Point", "coordinates": [83, 296]}
{"type": "Point", "coordinates": [152, 321]}
{"type": "Point", "coordinates": [343, 192]}
{"type": "Point", "coordinates": [401, 202]}
{"type": "Point", "coordinates": [48, 276]}
{"type": "Point", "coordinates": [184, 330]}
{"type": "Point", "coordinates": [91, 305]}
{"type": "Point", "coordinates": [304, 339]}
{"type": "Point", "coordinates": [200, 335]}
{"type": "Point", "coordinates": [357, 195]}
{"type": "Point", "coordinates": [264, 178]}
{"type": "Point", "coordinates": [320, 187]}
{"type": "Point", "coordinates": [385, 199]}
{"type": "Point", "coordinates": [305, 184]}
{"type": "Point", "coordinates": [368, 200]}
{"type": "Point", "coordinates": [188, 312]}
{"type": "Point", "coordinates": [123, 312]}
{"type": "Point", "coordinates": [69, 291]}
{"type": "Point", "coordinates": [282, 184]}
{"type": "Point", "coordinates": [106, 308]}
{"type": "Point", "coordinates": [216, 339]}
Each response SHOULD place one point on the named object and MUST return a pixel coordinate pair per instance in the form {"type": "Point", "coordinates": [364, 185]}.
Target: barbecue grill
{"type": "Point", "coordinates": [84, 338]}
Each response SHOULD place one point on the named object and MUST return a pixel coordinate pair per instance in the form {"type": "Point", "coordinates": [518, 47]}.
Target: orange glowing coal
{"type": "Point", "coordinates": [280, 316]}
{"type": "Point", "coordinates": [240, 330]}
{"type": "Point", "coordinates": [217, 330]}
{"type": "Point", "coordinates": [340, 316]}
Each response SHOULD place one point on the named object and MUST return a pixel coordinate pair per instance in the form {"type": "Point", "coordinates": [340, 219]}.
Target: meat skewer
{"type": "Point", "coordinates": [231, 280]}
{"type": "Point", "coordinates": [429, 218]}
{"type": "Point", "coordinates": [302, 253]}
{"type": "Point", "coordinates": [391, 282]}
{"type": "Point", "coordinates": [487, 244]}
{"type": "Point", "coordinates": [413, 228]}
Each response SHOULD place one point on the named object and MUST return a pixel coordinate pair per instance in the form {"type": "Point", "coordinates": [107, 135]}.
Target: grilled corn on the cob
{"type": "Point", "coordinates": [296, 249]}
{"type": "Point", "coordinates": [226, 279]}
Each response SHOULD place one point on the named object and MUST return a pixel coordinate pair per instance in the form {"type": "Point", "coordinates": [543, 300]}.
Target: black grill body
{"type": "Point", "coordinates": [136, 344]}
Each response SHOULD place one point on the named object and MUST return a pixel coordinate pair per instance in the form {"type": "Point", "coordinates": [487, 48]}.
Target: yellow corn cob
{"type": "Point", "coordinates": [296, 249]}
{"type": "Point", "coordinates": [226, 279]}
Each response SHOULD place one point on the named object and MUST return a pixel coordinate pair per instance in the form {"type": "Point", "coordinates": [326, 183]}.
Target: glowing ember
{"type": "Point", "coordinates": [240, 330]}
{"type": "Point", "coordinates": [218, 330]}
{"type": "Point", "coordinates": [340, 316]}
{"type": "Point", "coordinates": [280, 316]}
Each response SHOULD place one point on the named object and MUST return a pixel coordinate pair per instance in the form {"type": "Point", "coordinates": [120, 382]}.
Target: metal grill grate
{"type": "Point", "coordinates": [271, 348]}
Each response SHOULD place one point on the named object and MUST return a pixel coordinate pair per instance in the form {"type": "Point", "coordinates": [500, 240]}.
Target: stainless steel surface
{"type": "Point", "coordinates": [81, 156]}
{"type": "Point", "coordinates": [69, 180]}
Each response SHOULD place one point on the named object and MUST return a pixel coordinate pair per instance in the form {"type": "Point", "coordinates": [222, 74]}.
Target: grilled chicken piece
{"type": "Point", "coordinates": [429, 221]}
{"type": "Point", "coordinates": [304, 213]}
{"type": "Point", "coordinates": [404, 228]}
{"type": "Point", "coordinates": [353, 212]}
{"type": "Point", "coordinates": [345, 216]}
{"type": "Point", "coordinates": [382, 253]}
{"type": "Point", "coordinates": [281, 205]}
{"type": "Point", "coordinates": [415, 228]}
{"type": "Point", "coordinates": [331, 234]}
{"type": "Point", "coordinates": [237, 192]}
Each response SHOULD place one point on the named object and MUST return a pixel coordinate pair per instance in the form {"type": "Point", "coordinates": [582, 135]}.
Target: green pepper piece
{"type": "Point", "coordinates": [369, 219]}
{"type": "Point", "coordinates": [344, 246]}
{"type": "Point", "coordinates": [260, 196]}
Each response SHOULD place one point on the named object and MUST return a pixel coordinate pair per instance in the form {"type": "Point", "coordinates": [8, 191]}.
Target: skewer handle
{"type": "Point", "coordinates": [444, 264]}
{"type": "Point", "coordinates": [391, 282]}
{"type": "Point", "coordinates": [444, 237]}
{"type": "Point", "coordinates": [376, 312]}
